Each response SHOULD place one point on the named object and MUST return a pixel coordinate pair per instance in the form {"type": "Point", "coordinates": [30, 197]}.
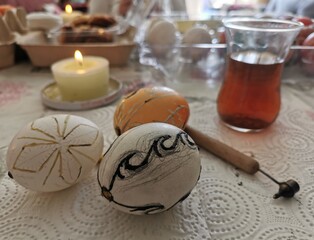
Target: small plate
{"type": "Point", "coordinates": [51, 97]}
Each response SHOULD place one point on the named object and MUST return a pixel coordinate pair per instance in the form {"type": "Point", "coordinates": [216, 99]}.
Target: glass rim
{"type": "Point", "coordinates": [235, 23]}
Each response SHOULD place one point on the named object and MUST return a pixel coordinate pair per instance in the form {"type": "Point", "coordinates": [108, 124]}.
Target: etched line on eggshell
{"type": "Point", "coordinates": [20, 153]}
{"type": "Point", "coordinates": [66, 120]}
{"type": "Point", "coordinates": [70, 172]}
{"type": "Point", "coordinates": [41, 131]}
{"type": "Point", "coordinates": [58, 126]}
{"type": "Point", "coordinates": [81, 153]}
{"type": "Point", "coordinates": [52, 167]}
{"type": "Point", "coordinates": [131, 112]}
{"type": "Point", "coordinates": [40, 139]}
{"type": "Point", "coordinates": [173, 114]}
{"type": "Point", "coordinates": [80, 125]}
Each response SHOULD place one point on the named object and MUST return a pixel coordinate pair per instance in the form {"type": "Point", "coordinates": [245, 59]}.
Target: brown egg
{"type": "Point", "coordinates": [151, 104]}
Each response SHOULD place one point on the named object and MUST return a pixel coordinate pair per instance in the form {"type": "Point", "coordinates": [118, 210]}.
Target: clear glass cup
{"type": "Point", "coordinates": [249, 98]}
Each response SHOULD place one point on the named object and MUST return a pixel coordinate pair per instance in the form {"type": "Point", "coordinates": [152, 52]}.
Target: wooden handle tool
{"type": "Point", "coordinates": [249, 165]}
{"type": "Point", "coordinates": [225, 152]}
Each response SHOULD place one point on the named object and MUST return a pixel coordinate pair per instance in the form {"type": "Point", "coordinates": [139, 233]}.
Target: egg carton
{"type": "Point", "coordinates": [12, 23]}
{"type": "Point", "coordinates": [187, 50]}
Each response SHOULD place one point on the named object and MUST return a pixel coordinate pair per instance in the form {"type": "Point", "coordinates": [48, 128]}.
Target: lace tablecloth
{"type": "Point", "coordinates": [225, 204]}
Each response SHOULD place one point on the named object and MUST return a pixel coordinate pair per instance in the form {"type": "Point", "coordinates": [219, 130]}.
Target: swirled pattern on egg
{"type": "Point", "coordinates": [54, 152]}
{"type": "Point", "coordinates": [149, 169]}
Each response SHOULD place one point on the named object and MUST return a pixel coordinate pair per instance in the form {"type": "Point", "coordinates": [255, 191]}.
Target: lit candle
{"type": "Point", "coordinates": [69, 14]}
{"type": "Point", "coordinates": [81, 78]}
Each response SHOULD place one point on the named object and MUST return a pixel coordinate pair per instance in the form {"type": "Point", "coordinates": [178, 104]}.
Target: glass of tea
{"type": "Point", "coordinates": [249, 98]}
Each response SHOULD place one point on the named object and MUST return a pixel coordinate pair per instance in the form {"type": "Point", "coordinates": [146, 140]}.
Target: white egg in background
{"type": "Point", "coordinates": [54, 152]}
{"type": "Point", "coordinates": [149, 169]}
{"type": "Point", "coordinates": [150, 25]}
{"type": "Point", "coordinates": [196, 35]}
{"type": "Point", "coordinates": [43, 21]}
{"type": "Point", "coordinates": [161, 37]}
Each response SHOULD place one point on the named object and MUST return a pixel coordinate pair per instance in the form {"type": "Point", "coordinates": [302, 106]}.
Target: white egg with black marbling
{"type": "Point", "coordinates": [149, 169]}
{"type": "Point", "coordinates": [161, 37]}
{"type": "Point", "coordinates": [54, 152]}
{"type": "Point", "coordinates": [196, 35]}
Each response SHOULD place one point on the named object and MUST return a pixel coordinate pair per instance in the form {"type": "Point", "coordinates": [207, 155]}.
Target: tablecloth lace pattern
{"type": "Point", "coordinates": [226, 203]}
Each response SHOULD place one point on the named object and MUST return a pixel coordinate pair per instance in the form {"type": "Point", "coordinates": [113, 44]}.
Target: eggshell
{"type": "Point", "coordinates": [43, 21]}
{"type": "Point", "coordinates": [151, 104]}
{"type": "Point", "coordinates": [150, 25]}
{"type": "Point", "coordinates": [196, 35]}
{"type": "Point", "coordinates": [161, 37]}
{"type": "Point", "coordinates": [54, 152]}
{"type": "Point", "coordinates": [149, 169]}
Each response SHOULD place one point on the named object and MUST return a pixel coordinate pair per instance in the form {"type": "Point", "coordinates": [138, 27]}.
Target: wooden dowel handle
{"type": "Point", "coordinates": [227, 153]}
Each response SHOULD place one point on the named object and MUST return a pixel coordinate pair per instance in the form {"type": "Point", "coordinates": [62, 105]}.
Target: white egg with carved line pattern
{"type": "Point", "coordinates": [54, 152]}
{"type": "Point", "coordinates": [149, 169]}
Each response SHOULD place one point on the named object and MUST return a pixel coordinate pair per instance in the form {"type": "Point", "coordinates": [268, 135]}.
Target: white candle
{"type": "Point", "coordinates": [81, 79]}
{"type": "Point", "coordinates": [69, 15]}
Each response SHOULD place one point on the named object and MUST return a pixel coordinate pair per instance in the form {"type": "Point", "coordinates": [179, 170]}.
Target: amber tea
{"type": "Point", "coordinates": [249, 98]}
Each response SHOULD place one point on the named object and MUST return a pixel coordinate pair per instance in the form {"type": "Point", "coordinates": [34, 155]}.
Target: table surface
{"type": "Point", "coordinates": [225, 204]}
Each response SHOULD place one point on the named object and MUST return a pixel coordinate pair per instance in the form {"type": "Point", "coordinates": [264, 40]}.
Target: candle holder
{"type": "Point", "coordinates": [51, 97]}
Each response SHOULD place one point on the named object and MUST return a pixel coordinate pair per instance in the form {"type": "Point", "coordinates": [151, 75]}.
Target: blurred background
{"type": "Point", "coordinates": [184, 40]}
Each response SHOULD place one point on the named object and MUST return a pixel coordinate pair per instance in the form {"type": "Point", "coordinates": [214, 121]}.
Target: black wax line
{"type": "Point", "coordinates": [173, 146]}
{"type": "Point", "coordinates": [111, 145]}
{"type": "Point", "coordinates": [191, 143]}
{"type": "Point", "coordinates": [125, 162]}
{"type": "Point", "coordinates": [148, 100]}
{"type": "Point", "coordinates": [155, 144]}
{"type": "Point", "coordinates": [151, 206]}
{"type": "Point", "coordinates": [180, 200]}
{"type": "Point", "coordinates": [131, 94]}
{"type": "Point", "coordinates": [146, 208]}
{"type": "Point", "coordinates": [184, 139]}
{"type": "Point", "coordinates": [80, 145]}
{"type": "Point", "coordinates": [80, 169]}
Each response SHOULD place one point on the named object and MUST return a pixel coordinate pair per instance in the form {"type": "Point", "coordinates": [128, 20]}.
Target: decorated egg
{"type": "Point", "coordinates": [161, 37]}
{"type": "Point", "coordinates": [54, 152]}
{"type": "Point", "coordinates": [149, 169]}
{"type": "Point", "coordinates": [151, 104]}
{"type": "Point", "coordinates": [196, 35]}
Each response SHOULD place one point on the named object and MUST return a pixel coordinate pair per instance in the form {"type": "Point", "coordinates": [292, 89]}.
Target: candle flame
{"type": "Point", "coordinates": [78, 57]}
{"type": "Point", "coordinates": [68, 9]}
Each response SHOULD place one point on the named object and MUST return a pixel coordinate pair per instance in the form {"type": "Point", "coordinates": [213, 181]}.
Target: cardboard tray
{"type": "Point", "coordinates": [43, 53]}
{"type": "Point", "coordinates": [6, 55]}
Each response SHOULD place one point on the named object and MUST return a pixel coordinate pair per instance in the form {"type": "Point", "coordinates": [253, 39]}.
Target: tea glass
{"type": "Point", "coordinates": [249, 99]}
